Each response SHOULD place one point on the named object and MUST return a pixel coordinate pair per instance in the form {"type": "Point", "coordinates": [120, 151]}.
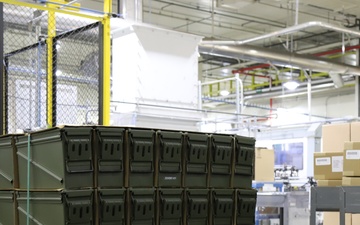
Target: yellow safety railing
{"type": "Point", "coordinates": [106, 63]}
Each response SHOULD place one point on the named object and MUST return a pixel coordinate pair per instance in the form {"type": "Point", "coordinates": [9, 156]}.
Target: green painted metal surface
{"type": "Point", "coordinates": [196, 160]}
{"type": "Point", "coordinates": [57, 208]}
{"type": "Point", "coordinates": [170, 159]}
{"type": "Point", "coordinates": [142, 206]}
{"type": "Point", "coordinates": [8, 163]}
{"type": "Point", "coordinates": [7, 208]}
{"type": "Point", "coordinates": [197, 206]}
{"type": "Point", "coordinates": [141, 157]}
{"type": "Point", "coordinates": [170, 206]}
{"type": "Point", "coordinates": [60, 159]}
{"type": "Point", "coordinates": [110, 156]}
{"type": "Point", "coordinates": [222, 148]}
{"type": "Point", "coordinates": [244, 161]}
{"type": "Point", "coordinates": [112, 208]}
{"type": "Point", "coordinates": [222, 206]}
{"type": "Point", "coordinates": [245, 210]}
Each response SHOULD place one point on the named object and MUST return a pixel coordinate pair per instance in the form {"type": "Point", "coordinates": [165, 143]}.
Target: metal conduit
{"type": "Point", "coordinates": [288, 30]}
{"type": "Point", "coordinates": [284, 58]}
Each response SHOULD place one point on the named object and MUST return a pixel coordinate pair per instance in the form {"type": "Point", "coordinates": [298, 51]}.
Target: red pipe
{"type": "Point", "coordinates": [334, 51]}
{"type": "Point", "coordinates": [256, 75]}
{"type": "Point", "coordinates": [251, 68]}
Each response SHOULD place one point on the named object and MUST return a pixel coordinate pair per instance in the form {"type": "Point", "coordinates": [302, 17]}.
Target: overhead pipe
{"type": "Point", "coordinates": [248, 65]}
{"type": "Point", "coordinates": [309, 93]}
{"type": "Point", "coordinates": [297, 12]}
{"type": "Point", "coordinates": [288, 30]}
{"type": "Point", "coordinates": [276, 91]}
{"type": "Point", "coordinates": [290, 59]}
{"type": "Point", "coordinates": [330, 52]}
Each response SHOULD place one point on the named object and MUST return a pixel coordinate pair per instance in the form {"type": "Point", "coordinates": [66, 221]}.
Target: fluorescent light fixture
{"type": "Point", "coordinates": [58, 73]}
{"type": "Point", "coordinates": [225, 70]}
{"type": "Point", "coordinates": [224, 93]}
{"type": "Point", "coordinates": [291, 85]}
{"type": "Point", "coordinates": [224, 47]}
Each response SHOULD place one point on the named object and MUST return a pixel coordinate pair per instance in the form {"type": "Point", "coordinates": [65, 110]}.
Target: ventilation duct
{"type": "Point", "coordinates": [283, 58]}
{"type": "Point", "coordinates": [289, 30]}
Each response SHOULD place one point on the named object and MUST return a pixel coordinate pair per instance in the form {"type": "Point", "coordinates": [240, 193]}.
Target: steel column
{"type": "Point", "coordinates": [51, 98]}
{"type": "Point", "coordinates": [101, 74]}
{"type": "Point", "coordinates": [106, 63]}
{"type": "Point", "coordinates": [119, 7]}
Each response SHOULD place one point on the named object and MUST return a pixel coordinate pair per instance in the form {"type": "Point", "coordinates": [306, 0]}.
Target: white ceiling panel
{"type": "Point", "coordinates": [258, 10]}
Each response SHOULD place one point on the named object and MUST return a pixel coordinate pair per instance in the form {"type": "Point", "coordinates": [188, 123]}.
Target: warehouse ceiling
{"type": "Point", "coordinates": [241, 20]}
{"type": "Point", "coordinates": [244, 19]}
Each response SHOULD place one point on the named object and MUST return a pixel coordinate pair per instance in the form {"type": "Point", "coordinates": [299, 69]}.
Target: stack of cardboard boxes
{"type": "Point", "coordinates": [328, 168]}
{"type": "Point", "coordinates": [339, 162]}
{"type": "Point", "coordinates": [351, 171]}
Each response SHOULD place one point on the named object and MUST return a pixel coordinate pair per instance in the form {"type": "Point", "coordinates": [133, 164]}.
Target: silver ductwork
{"type": "Point", "coordinates": [289, 30]}
{"type": "Point", "coordinates": [283, 58]}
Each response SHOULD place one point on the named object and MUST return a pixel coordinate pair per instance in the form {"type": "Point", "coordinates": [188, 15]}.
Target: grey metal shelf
{"type": "Point", "coordinates": [294, 205]}
{"type": "Point", "coordinates": [334, 199]}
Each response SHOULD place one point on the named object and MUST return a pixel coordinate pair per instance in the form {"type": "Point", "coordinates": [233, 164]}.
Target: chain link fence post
{"type": "Point", "coordinates": [51, 33]}
{"type": "Point", "coordinates": [106, 47]}
{"type": "Point", "coordinates": [2, 71]}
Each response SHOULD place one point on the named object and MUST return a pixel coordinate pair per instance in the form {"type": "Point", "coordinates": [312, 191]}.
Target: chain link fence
{"type": "Point", "coordinates": [25, 68]}
{"type": "Point", "coordinates": [37, 44]}
{"type": "Point", "coordinates": [76, 73]}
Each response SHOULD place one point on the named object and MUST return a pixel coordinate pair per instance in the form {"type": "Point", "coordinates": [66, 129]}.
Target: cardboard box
{"type": "Point", "coordinates": [351, 181]}
{"type": "Point", "coordinates": [329, 183]}
{"type": "Point", "coordinates": [333, 218]}
{"type": "Point", "coordinates": [264, 164]}
{"type": "Point", "coordinates": [355, 131]}
{"type": "Point", "coordinates": [328, 165]}
{"type": "Point", "coordinates": [355, 219]}
{"type": "Point", "coordinates": [334, 136]}
{"type": "Point", "coordinates": [351, 159]}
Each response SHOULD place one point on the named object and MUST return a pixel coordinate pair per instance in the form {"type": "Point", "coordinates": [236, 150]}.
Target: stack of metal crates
{"type": "Point", "coordinates": [126, 176]}
{"type": "Point", "coordinates": [8, 180]}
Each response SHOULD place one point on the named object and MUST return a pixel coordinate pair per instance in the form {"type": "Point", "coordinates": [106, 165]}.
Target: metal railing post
{"type": "Point", "coordinates": [2, 72]}
{"type": "Point", "coordinates": [106, 63]}
{"type": "Point", "coordinates": [50, 64]}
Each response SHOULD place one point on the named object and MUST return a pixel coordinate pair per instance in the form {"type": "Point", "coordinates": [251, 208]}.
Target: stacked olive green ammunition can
{"type": "Point", "coordinates": [98, 175]}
